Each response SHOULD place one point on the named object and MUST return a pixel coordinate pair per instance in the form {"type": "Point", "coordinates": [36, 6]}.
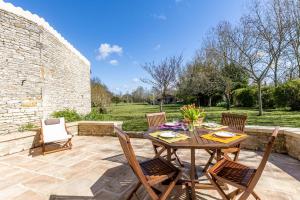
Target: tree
{"type": "Point", "coordinates": [163, 75]}
{"type": "Point", "coordinates": [116, 99]}
{"type": "Point", "coordinates": [252, 53]}
{"type": "Point", "coordinates": [198, 80]}
{"type": "Point", "coordinates": [100, 95]}
{"type": "Point", "coordinates": [271, 28]}
{"type": "Point", "coordinates": [292, 15]}
{"type": "Point", "coordinates": [139, 94]}
{"type": "Point", "coordinates": [219, 53]}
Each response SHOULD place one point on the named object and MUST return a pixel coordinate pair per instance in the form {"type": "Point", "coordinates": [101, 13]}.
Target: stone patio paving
{"type": "Point", "coordinates": [95, 169]}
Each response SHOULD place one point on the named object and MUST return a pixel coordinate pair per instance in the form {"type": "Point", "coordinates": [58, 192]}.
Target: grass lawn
{"type": "Point", "coordinates": [133, 115]}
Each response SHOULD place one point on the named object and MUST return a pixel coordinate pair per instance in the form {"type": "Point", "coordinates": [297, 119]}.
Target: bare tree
{"type": "Point", "coordinates": [292, 15]}
{"type": "Point", "coordinates": [271, 27]}
{"type": "Point", "coordinates": [163, 76]}
{"type": "Point", "coordinates": [252, 53]}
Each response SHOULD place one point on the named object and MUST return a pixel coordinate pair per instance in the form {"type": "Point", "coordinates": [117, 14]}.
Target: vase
{"type": "Point", "coordinates": [192, 126]}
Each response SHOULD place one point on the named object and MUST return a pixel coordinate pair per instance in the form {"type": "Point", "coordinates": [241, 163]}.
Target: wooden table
{"type": "Point", "coordinates": [193, 143]}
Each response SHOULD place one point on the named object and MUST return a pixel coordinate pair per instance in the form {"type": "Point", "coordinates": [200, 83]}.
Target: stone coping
{"type": "Point", "coordinates": [294, 132]}
{"type": "Point", "coordinates": [100, 122]}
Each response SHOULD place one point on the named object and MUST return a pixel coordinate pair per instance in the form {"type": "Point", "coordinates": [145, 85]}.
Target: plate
{"type": "Point", "coordinates": [170, 124]}
{"type": "Point", "coordinates": [168, 134]}
{"type": "Point", "coordinates": [224, 134]}
{"type": "Point", "coordinates": [211, 125]}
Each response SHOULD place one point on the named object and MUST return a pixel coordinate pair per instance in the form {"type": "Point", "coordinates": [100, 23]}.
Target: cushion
{"type": "Point", "coordinates": [52, 121]}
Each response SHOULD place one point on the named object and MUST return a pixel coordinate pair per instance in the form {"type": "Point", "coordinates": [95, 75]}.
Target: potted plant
{"type": "Point", "coordinates": [192, 115]}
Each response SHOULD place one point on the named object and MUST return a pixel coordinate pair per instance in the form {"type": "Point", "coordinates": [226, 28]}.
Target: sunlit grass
{"type": "Point", "coordinates": [133, 115]}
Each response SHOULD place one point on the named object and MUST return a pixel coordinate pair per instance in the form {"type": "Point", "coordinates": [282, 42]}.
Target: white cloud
{"type": "Point", "coordinates": [159, 16]}
{"type": "Point", "coordinates": [106, 49]}
{"type": "Point", "coordinates": [136, 80]}
{"type": "Point", "coordinates": [113, 62]}
{"type": "Point", "coordinates": [157, 47]}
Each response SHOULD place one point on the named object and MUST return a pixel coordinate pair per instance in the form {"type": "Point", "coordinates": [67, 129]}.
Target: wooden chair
{"type": "Point", "coordinates": [150, 172]}
{"type": "Point", "coordinates": [238, 175]}
{"type": "Point", "coordinates": [233, 121]}
{"type": "Point", "coordinates": [237, 122]}
{"type": "Point", "coordinates": [155, 120]}
{"type": "Point", "coordinates": [55, 131]}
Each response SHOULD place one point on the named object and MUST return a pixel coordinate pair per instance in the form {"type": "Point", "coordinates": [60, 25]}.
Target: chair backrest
{"type": "Point", "coordinates": [130, 155]}
{"type": "Point", "coordinates": [265, 158]}
{"type": "Point", "coordinates": [235, 121]}
{"type": "Point", "coordinates": [53, 129]}
{"type": "Point", "coordinates": [156, 119]}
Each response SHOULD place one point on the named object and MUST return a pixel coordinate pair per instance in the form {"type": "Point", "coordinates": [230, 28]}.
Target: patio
{"type": "Point", "coordinates": [94, 169]}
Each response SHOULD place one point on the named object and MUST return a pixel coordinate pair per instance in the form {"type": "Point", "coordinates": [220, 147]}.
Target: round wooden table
{"type": "Point", "coordinates": [196, 142]}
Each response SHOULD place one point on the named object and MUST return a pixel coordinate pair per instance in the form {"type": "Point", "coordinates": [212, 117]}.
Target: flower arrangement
{"type": "Point", "coordinates": [192, 114]}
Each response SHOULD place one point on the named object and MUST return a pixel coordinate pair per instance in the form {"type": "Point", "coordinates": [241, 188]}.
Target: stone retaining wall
{"type": "Point", "coordinates": [16, 142]}
{"type": "Point", "coordinates": [40, 72]}
{"type": "Point", "coordinates": [288, 140]}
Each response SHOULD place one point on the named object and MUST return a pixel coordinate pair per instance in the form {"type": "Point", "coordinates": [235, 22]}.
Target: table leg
{"type": "Point", "coordinates": [169, 154]}
{"type": "Point", "coordinates": [219, 154]}
{"type": "Point", "coordinates": [193, 170]}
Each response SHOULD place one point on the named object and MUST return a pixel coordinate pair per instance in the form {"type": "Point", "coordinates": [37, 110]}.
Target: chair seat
{"type": "Point", "coordinates": [158, 168]}
{"type": "Point", "coordinates": [57, 137]}
{"type": "Point", "coordinates": [230, 150]}
{"type": "Point", "coordinates": [234, 172]}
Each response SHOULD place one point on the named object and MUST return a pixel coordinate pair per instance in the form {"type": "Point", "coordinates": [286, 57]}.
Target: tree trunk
{"type": "Point", "coordinates": [275, 72]}
{"type": "Point", "coordinates": [161, 104]}
{"type": "Point", "coordinates": [227, 102]}
{"type": "Point", "coordinates": [209, 101]}
{"type": "Point", "coordinates": [260, 106]}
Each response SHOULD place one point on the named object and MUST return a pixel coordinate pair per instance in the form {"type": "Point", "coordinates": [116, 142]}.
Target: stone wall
{"type": "Point", "coordinates": [98, 128]}
{"type": "Point", "coordinates": [40, 72]}
{"type": "Point", "coordinates": [16, 142]}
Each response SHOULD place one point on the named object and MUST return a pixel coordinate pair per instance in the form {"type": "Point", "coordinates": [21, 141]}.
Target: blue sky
{"type": "Point", "coordinates": [117, 36]}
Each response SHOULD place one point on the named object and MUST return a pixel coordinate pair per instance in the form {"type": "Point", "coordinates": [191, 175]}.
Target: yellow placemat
{"type": "Point", "coordinates": [169, 140]}
{"type": "Point", "coordinates": [210, 136]}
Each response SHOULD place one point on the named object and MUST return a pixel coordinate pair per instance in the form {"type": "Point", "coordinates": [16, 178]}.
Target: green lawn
{"type": "Point", "coordinates": [133, 115]}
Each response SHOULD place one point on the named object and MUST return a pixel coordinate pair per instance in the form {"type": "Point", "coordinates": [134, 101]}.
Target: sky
{"type": "Point", "coordinates": [118, 36]}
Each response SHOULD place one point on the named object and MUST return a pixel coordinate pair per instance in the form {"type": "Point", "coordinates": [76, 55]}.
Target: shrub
{"type": "Point", "coordinates": [221, 104]}
{"type": "Point", "coordinates": [70, 115]}
{"type": "Point", "coordinates": [27, 127]}
{"type": "Point", "coordinates": [268, 98]}
{"type": "Point", "coordinates": [95, 115]}
{"type": "Point", "coordinates": [244, 97]}
{"type": "Point", "coordinates": [288, 94]}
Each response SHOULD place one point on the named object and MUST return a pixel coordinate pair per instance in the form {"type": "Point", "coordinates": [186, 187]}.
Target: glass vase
{"type": "Point", "coordinates": [192, 126]}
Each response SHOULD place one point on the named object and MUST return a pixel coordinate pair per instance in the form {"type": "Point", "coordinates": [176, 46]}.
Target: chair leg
{"type": "Point", "coordinates": [177, 158]}
{"type": "Point", "coordinates": [218, 187]}
{"type": "Point", "coordinates": [255, 195]}
{"type": "Point", "coordinates": [155, 148]}
{"type": "Point", "coordinates": [245, 195]}
{"type": "Point", "coordinates": [170, 187]}
{"type": "Point", "coordinates": [212, 155]}
{"type": "Point", "coordinates": [236, 155]}
{"type": "Point", "coordinates": [134, 190]}
{"type": "Point", "coordinates": [43, 148]}
{"type": "Point", "coordinates": [232, 195]}
{"type": "Point", "coordinates": [158, 154]}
